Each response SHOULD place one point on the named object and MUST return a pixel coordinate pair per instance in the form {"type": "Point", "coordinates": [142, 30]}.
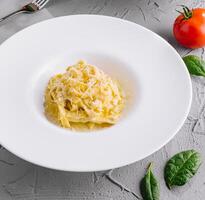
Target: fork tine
{"type": "Point", "coordinates": [40, 3]}
{"type": "Point", "coordinates": [35, 1]}
{"type": "Point", "coordinates": [43, 3]}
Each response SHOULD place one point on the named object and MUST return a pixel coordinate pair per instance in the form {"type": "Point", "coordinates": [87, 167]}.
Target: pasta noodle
{"type": "Point", "coordinates": [83, 96]}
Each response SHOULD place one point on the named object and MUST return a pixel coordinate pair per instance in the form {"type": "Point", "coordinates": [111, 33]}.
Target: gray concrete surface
{"type": "Point", "coordinates": [20, 180]}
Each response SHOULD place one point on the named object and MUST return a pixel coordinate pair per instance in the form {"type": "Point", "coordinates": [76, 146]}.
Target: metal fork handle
{"type": "Point", "coordinates": [22, 10]}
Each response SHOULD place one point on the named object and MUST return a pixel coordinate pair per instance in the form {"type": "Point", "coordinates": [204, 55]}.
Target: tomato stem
{"type": "Point", "coordinates": [187, 13]}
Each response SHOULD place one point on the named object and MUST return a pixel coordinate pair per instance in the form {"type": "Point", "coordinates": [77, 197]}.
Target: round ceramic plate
{"type": "Point", "coordinates": [152, 74]}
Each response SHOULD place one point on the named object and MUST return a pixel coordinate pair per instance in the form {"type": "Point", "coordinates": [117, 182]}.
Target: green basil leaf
{"type": "Point", "coordinates": [149, 186]}
{"type": "Point", "coordinates": [181, 167]}
{"type": "Point", "coordinates": [195, 65]}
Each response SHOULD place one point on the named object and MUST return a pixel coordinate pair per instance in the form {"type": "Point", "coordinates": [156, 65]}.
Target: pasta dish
{"type": "Point", "coordinates": [83, 97]}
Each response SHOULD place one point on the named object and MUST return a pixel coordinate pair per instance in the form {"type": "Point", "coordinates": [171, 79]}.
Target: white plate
{"type": "Point", "coordinates": [149, 69]}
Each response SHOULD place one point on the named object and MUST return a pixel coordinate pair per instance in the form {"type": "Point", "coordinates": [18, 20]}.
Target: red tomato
{"type": "Point", "coordinates": [189, 28]}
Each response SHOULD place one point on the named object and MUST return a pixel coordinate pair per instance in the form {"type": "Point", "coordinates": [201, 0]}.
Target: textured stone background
{"type": "Point", "coordinates": [21, 180]}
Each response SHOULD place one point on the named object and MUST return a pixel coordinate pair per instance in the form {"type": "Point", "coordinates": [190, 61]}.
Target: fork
{"type": "Point", "coordinates": [29, 8]}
